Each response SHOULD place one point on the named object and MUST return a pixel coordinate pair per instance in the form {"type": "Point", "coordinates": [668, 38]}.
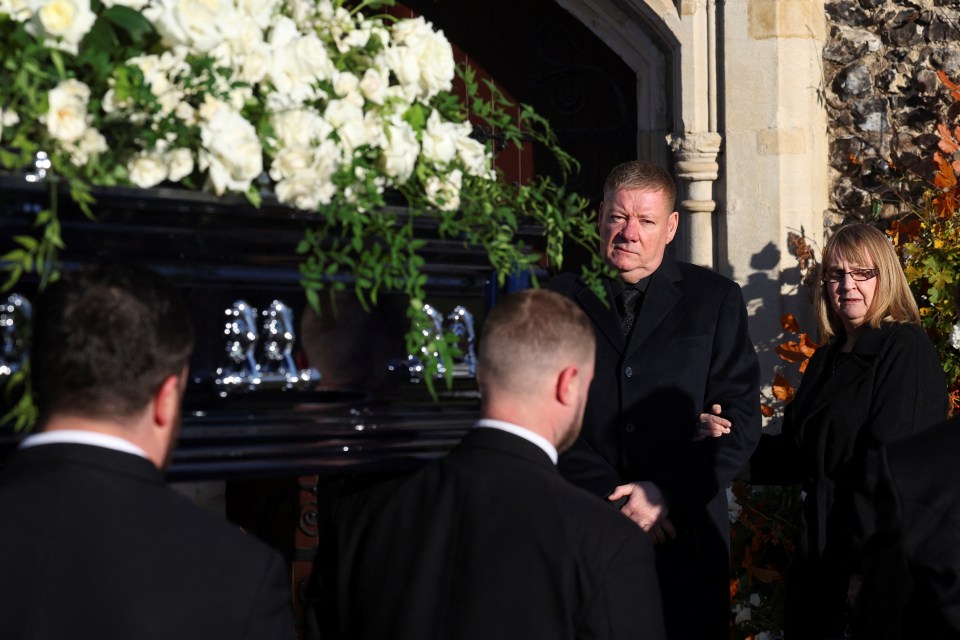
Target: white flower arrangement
{"type": "Point", "coordinates": [310, 101]}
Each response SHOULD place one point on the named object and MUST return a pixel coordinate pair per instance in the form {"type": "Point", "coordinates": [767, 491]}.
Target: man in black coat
{"type": "Point", "coordinates": [92, 544]}
{"type": "Point", "coordinates": [910, 506]}
{"type": "Point", "coordinates": [672, 342]}
{"type": "Point", "coordinates": [490, 541]}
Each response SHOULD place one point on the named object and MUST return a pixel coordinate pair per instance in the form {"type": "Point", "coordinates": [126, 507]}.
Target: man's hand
{"type": "Point", "coordinates": [645, 506]}
{"type": "Point", "coordinates": [712, 425]}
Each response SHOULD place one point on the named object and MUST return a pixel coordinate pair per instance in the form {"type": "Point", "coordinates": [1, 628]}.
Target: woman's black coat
{"type": "Point", "coordinates": [890, 386]}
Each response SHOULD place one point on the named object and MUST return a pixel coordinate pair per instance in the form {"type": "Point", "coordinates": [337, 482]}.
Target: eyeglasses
{"type": "Point", "coordinates": [857, 274]}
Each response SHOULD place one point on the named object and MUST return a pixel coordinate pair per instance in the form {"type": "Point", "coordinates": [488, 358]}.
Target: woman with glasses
{"type": "Point", "coordinates": [877, 378]}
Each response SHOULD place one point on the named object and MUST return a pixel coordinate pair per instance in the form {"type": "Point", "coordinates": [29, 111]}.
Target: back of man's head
{"type": "Point", "coordinates": [105, 338]}
{"type": "Point", "coordinates": [528, 336]}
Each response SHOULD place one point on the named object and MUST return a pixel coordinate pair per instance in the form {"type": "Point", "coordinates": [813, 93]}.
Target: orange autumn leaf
{"type": "Point", "coordinates": [734, 588]}
{"type": "Point", "coordinates": [807, 346]}
{"type": "Point", "coordinates": [803, 366]}
{"type": "Point", "coordinates": [766, 410]}
{"type": "Point", "coordinates": [789, 322]}
{"type": "Point", "coordinates": [791, 352]}
{"type": "Point", "coordinates": [945, 177]}
{"type": "Point", "coordinates": [954, 88]}
{"type": "Point", "coordinates": [947, 143]}
{"type": "Point", "coordinates": [782, 389]}
{"type": "Point", "coordinates": [903, 231]}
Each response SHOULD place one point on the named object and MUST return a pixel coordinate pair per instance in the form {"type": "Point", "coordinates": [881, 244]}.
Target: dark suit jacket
{"type": "Point", "coordinates": [689, 348]}
{"type": "Point", "coordinates": [488, 542]}
{"type": "Point", "coordinates": [890, 386]}
{"type": "Point", "coordinates": [911, 588]}
{"type": "Point", "coordinates": [93, 545]}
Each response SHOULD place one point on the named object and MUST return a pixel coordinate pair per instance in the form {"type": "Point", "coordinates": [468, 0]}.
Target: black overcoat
{"type": "Point", "coordinates": [488, 542]}
{"type": "Point", "coordinates": [690, 348]}
{"type": "Point", "coordinates": [94, 546]}
{"type": "Point", "coordinates": [911, 587]}
{"type": "Point", "coordinates": [890, 386]}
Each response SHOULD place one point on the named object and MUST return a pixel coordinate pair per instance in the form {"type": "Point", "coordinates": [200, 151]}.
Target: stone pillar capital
{"type": "Point", "coordinates": [695, 163]}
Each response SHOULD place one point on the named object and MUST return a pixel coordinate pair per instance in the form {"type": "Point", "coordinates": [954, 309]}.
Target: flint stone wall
{"type": "Point", "coordinates": [883, 98]}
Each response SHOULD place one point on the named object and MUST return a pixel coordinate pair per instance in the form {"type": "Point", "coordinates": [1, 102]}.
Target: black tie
{"type": "Point", "coordinates": [628, 299]}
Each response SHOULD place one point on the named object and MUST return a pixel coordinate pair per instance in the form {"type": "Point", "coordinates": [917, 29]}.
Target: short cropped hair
{"type": "Point", "coordinates": [529, 332]}
{"type": "Point", "coordinates": [642, 176]}
{"type": "Point", "coordinates": [105, 338]}
{"type": "Point", "coordinates": [892, 302]}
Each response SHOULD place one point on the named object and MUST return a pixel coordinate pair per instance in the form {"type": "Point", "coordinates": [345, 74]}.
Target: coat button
{"type": "Point", "coordinates": [630, 427]}
{"type": "Point", "coordinates": [628, 372]}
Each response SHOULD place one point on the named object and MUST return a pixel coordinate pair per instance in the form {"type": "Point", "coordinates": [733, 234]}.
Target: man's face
{"type": "Point", "coordinates": [635, 228]}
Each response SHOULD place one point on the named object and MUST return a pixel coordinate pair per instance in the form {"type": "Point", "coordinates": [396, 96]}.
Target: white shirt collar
{"type": "Point", "coordinates": [522, 432]}
{"type": "Point", "coordinates": [78, 436]}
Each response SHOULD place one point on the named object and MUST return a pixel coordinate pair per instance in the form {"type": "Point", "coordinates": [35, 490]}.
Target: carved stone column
{"type": "Point", "coordinates": [695, 157]}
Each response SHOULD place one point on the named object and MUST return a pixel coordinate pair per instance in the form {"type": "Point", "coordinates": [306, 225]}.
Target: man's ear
{"type": "Point", "coordinates": [166, 402]}
{"type": "Point", "coordinates": [567, 386]}
{"type": "Point", "coordinates": [673, 221]}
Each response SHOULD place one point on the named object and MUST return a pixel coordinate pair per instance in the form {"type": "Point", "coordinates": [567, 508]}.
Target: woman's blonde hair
{"type": "Point", "coordinates": [892, 301]}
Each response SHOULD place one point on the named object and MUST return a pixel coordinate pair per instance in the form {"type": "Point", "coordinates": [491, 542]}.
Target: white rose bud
{"type": "Point", "coordinates": [400, 153]}
{"type": "Point", "coordinates": [444, 193]}
{"type": "Point", "coordinates": [231, 149]}
{"type": "Point", "coordinates": [374, 85]}
{"type": "Point", "coordinates": [955, 337]}
{"type": "Point", "coordinates": [474, 157]}
{"type": "Point", "coordinates": [440, 139]}
{"type": "Point", "coordinates": [67, 117]}
{"type": "Point", "coordinates": [179, 164]}
{"type": "Point", "coordinates": [147, 169]}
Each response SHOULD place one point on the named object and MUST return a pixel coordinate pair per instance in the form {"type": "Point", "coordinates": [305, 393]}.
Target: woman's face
{"type": "Point", "coordinates": [850, 288]}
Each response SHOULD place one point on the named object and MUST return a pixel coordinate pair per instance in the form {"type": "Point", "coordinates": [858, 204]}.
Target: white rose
{"type": "Point", "coordinates": [231, 151]}
{"type": "Point", "coordinates": [90, 143]}
{"type": "Point", "coordinates": [299, 126]}
{"type": "Point", "coordinates": [955, 337]}
{"type": "Point", "coordinates": [345, 83]}
{"type": "Point", "coordinates": [437, 68]}
{"type": "Point", "coordinates": [147, 169]}
{"type": "Point", "coordinates": [474, 157]}
{"type": "Point", "coordinates": [9, 118]}
{"type": "Point", "coordinates": [260, 10]}
{"type": "Point", "coordinates": [67, 117]}
{"type": "Point", "coordinates": [404, 30]}
{"type": "Point", "coordinates": [311, 55]}
{"type": "Point", "coordinates": [18, 10]}
{"type": "Point", "coordinates": [185, 111]}
{"type": "Point", "coordinates": [426, 50]}
{"type": "Point", "coordinates": [179, 164]}
{"type": "Point", "coordinates": [328, 157]}
{"type": "Point", "coordinates": [299, 191]}
{"type": "Point", "coordinates": [440, 139]}
{"type": "Point", "coordinates": [254, 64]}
{"type": "Point", "coordinates": [290, 161]}
{"type": "Point", "coordinates": [133, 4]}
{"type": "Point", "coordinates": [444, 193]}
{"type": "Point", "coordinates": [374, 85]}
{"type": "Point", "coordinates": [400, 153]}
{"type": "Point", "coordinates": [62, 23]}
{"type": "Point", "coordinates": [192, 23]}
{"type": "Point", "coordinates": [404, 64]}
{"type": "Point", "coordinates": [347, 118]}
